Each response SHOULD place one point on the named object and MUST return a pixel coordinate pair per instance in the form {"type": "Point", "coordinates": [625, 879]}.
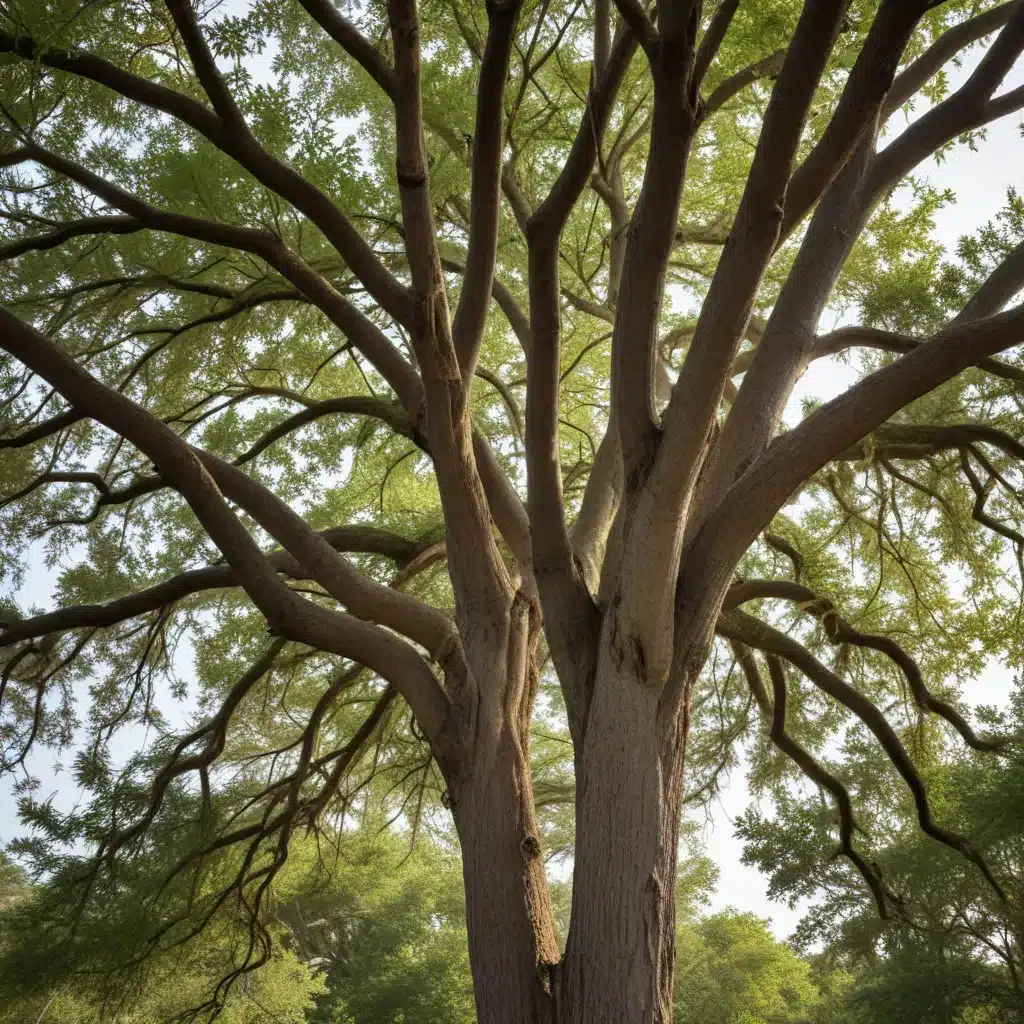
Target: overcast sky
{"type": "Point", "coordinates": [980, 180]}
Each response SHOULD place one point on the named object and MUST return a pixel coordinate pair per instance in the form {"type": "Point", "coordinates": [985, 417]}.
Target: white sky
{"type": "Point", "coordinates": [980, 180]}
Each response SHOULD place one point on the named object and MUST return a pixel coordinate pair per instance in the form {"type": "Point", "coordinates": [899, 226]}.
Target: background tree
{"type": "Point", "coordinates": [955, 953]}
{"type": "Point", "coordinates": [459, 340]}
{"type": "Point", "coordinates": [40, 983]}
{"type": "Point", "coordinates": [386, 928]}
{"type": "Point", "coordinates": [731, 969]}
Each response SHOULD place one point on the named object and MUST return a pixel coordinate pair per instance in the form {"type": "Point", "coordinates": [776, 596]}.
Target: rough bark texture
{"type": "Point", "coordinates": [627, 834]}
{"type": "Point", "coordinates": [512, 948]}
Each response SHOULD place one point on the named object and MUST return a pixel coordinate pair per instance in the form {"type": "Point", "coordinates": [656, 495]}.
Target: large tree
{"type": "Point", "coordinates": [437, 342]}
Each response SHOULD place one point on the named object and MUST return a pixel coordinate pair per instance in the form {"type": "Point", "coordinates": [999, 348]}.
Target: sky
{"type": "Point", "coordinates": [980, 181]}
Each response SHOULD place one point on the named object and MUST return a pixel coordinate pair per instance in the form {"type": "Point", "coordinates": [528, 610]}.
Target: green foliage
{"type": "Point", "coordinates": [730, 970]}
{"type": "Point", "coordinates": [954, 951]}
{"type": "Point", "coordinates": [384, 924]}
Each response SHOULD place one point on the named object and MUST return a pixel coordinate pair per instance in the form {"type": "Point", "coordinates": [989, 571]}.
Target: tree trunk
{"type": "Point", "coordinates": [618, 966]}
{"type": "Point", "coordinates": [512, 945]}
{"type": "Point", "coordinates": [620, 957]}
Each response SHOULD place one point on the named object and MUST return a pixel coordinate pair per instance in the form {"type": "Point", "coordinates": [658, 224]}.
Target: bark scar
{"type": "Point", "coordinates": [411, 181]}
{"type": "Point", "coordinates": [530, 846]}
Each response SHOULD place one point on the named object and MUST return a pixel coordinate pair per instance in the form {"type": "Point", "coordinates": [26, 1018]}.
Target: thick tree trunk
{"type": "Point", "coordinates": [618, 966]}
{"type": "Point", "coordinates": [620, 957]}
{"type": "Point", "coordinates": [512, 945]}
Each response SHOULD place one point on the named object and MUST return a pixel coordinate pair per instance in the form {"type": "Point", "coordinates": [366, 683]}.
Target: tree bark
{"type": "Point", "coordinates": [512, 947]}
{"type": "Point", "coordinates": [619, 962]}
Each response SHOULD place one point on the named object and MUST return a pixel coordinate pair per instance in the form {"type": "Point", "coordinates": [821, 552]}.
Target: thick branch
{"type": "Point", "coordinates": [999, 288]}
{"type": "Point", "coordinates": [793, 458]}
{"type": "Point", "coordinates": [570, 617]}
{"type": "Point", "coordinates": [970, 107]}
{"type": "Point", "coordinates": [659, 521]}
{"type": "Point", "coordinates": [917, 74]}
{"type": "Point", "coordinates": [362, 595]}
{"type": "Point", "coordinates": [237, 142]}
{"type": "Point", "coordinates": [485, 185]}
{"type": "Point", "coordinates": [363, 333]}
{"type": "Point", "coordinates": [288, 614]}
{"type": "Point", "coordinates": [547, 221]}
{"type": "Point", "coordinates": [204, 65]}
{"type": "Point", "coordinates": [42, 430]}
{"type": "Point", "coordinates": [887, 341]}
{"type": "Point", "coordinates": [475, 565]}
{"type": "Point", "coordinates": [769, 67]}
{"type": "Point", "coordinates": [858, 108]}
{"type": "Point", "coordinates": [194, 581]}
{"type": "Point", "coordinates": [711, 43]}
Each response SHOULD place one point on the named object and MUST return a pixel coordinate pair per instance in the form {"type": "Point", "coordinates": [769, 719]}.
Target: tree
{"type": "Point", "coordinates": [732, 971]}
{"type": "Point", "coordinates": [955, 952]}
{"type": "Point", "coordinates": [503, 379]}
{"type": "Point", "coordinates": [35, 988]}
{"type": "Point", "coordinates": [386, 927]}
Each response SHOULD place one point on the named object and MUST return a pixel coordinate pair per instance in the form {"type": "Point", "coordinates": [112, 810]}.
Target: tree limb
{"type": "Point", "coordinates": [370, 340]}
{"type": "Point", "coordinates": [105, 225]}
{"type": "Point", "coordinates": [353, 42]}
{"type": "Point", "coordinates": [917, 74]}
{"type": "Point", "coordinates": [755, 497]}
{"type": "Point", "coordinates": [840, 631]}
{"type": "Point", "coordinates": [288, 614]}
{"type": "Point", "coordinates": [737, 625]}
{"type": "Point", "coordinates": [774, 713]}
{"type": "Point", "coordinates": [485, 185]}
{"type": "Point", "coordinates": [237, 142]}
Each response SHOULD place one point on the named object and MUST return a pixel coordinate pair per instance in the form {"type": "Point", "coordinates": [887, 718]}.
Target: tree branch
{"type": "Point", "coordinates": [738, 625]}
{"type": "Point", "coordinates": [754, 498]}
{"type": "Point", "coordinates": [840, 631]}
{"type": "Point", "coordinates": [890, 341]}
{"type": "Point", "coordinates": [968, 108]}
{"type": "Point", "coordinates": [195, 581]}
{"type": "Point", "coordinates": [660, 517]}
{"type": "Point", "coordinates": [363, 333]}
{"type": "Point", "coordinates": [204, 65]}
{"type": "Point", "coordinates": [999, 288]}
{"type": "Point", "coordinates": [288, 614]}
{"type": "Point", "coordinates": [72, 229]}
{"type": "Point", "coordinates": [485, 185]}
{"type": "Point", "coordinates": [774, 713]}
{"type": "Point", "coordinates": [570, 618]}
{"type": "Point", "coordinates": [478, 573]}
{"type": "Point", "coordinates": [916, 75]}
{"type": "Point", "coordinates": [237, 142]}
{"type": "Point", "coordinates": [859, 106]}
{"type": "Point", "coordinates": [711, 43]}
{"type": "Point", "coordinates": [353, 42]}
{"type": "Point", "coordinates": [769, 67]}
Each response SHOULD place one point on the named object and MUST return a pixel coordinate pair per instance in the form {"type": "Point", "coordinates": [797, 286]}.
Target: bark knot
{"type": "Point", "coordinates": [530, 846]}
{"type": "Point", "coordinates": [410, 179]}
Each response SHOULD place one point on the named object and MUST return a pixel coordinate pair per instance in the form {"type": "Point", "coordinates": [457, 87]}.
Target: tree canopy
{"type": "Point", "coordinates": [402, 400]}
